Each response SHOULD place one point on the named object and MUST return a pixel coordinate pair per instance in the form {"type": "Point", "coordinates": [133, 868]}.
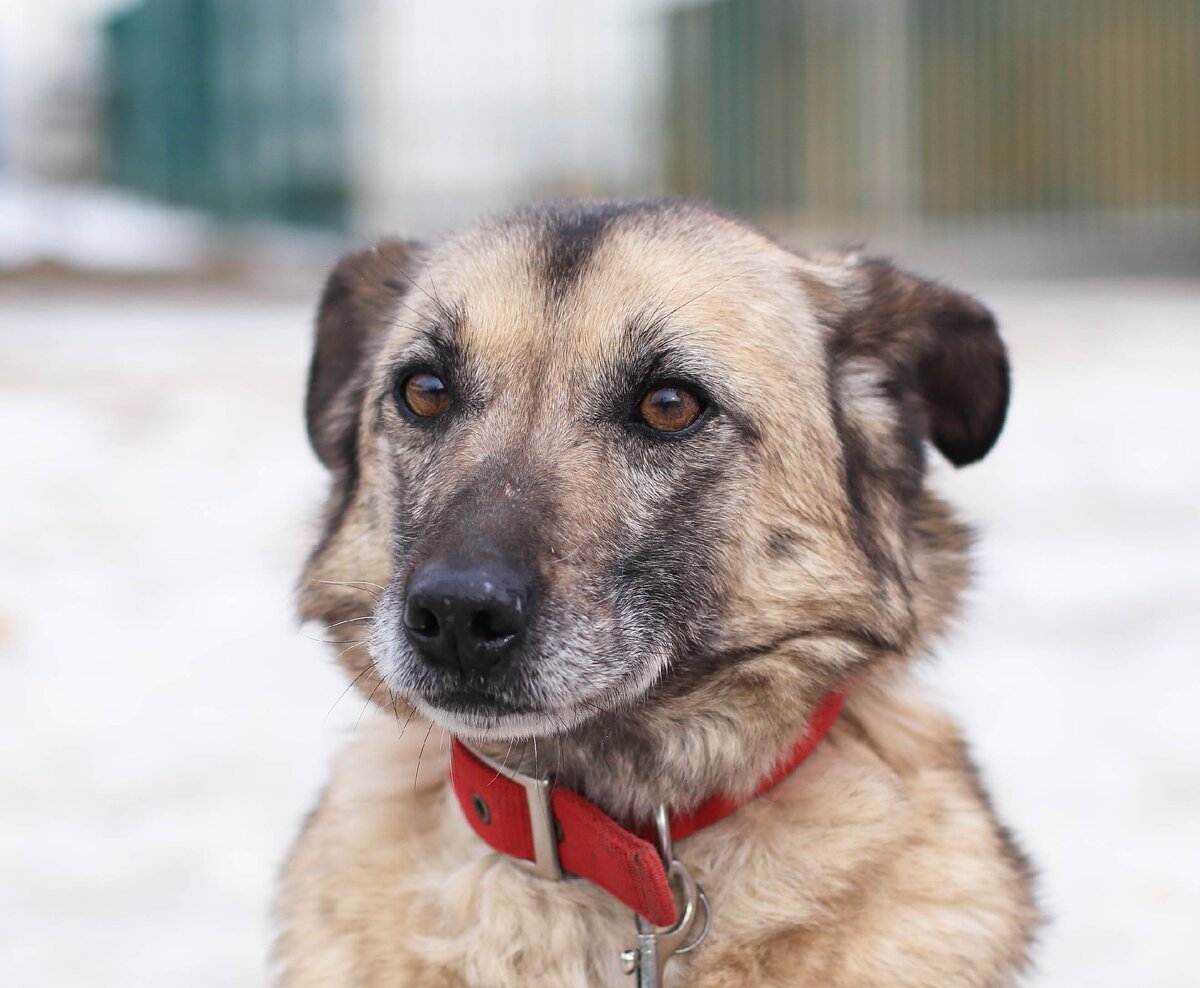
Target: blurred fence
{"type": "Point", "coordinates": [230, 105]}
{"type": "Point", "coordinates": [848, 114]}
{"type": "Point", "coordinates": [829, 111]}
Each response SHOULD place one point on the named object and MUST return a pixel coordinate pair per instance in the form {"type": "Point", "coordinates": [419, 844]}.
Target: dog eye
{"type": "Point", "coordinates": [426, 395]}
{"type": "Point", "coordinates": [669, 408]}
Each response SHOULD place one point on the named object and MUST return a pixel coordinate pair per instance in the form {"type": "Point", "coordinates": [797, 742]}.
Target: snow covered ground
{"type": "Point", "coordinates": [163, 726]}
{"type": "Point", "coordinates": [73, 227]}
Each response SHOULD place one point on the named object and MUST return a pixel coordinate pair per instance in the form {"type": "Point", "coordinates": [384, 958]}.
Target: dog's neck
{"type": "Point", "coordinates": [678, 752]}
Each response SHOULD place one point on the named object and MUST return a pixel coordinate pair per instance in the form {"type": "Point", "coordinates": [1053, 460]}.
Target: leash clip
{"type": "Point", "coordinates": [657, 944]}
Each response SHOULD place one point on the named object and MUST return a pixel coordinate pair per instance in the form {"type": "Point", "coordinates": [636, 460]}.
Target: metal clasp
{"type": "Point", "coordinates": [545, 861]}
{"type": "Point", "coordinates": [657, 944]}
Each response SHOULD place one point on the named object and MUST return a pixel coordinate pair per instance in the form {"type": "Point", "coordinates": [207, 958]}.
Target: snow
{"type": "Point", "coordinates": [78, 228]}
{"type": "Point", "coordinates": [102, 231]}
{"type": "Point", "coordinates": [164, 726]}
{"type": "Point", "coordinates": [1076, 668]}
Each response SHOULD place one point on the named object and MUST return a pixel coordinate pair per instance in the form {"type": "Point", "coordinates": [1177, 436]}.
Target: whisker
{"type": "Point", "coordinates": [404, 726]}
{"type": "Point", "coordinates": [335, 641]}
{"type": "Point", "coordinates": [354, 585]}
{"type": "Point", "coordinates": [559, 739]}
{"type": "Point", "coordinates": [378, 683]}
{"type": "Point", "coordinates": [711, 288]}
{"type": "Point", "coordinates": [504, 762]}
{"type": "Point", "coordinates": [401, 324]}
{"type": "Point", "coordinates": [413, 281]}
{"type": "Point", "coordinates": [446, 312]}
{"type": "Point", "coordinates": [365, 617]}
{"type": "Point", "coordinates": [420, 755]}
{"type": "Point", "coordinates": [568, 557]}
{"type": "Point", "coordinates": [410, 326]}
{"type": "Point", "coordinates": [342, 695]}
{"type": "Point", "coordinates": [657, 311]}
{"type": "Point", "coordinates": [350, 648]}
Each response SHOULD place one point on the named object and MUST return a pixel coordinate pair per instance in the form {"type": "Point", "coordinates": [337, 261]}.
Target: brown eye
{"type": "Point", "coordinates": [669, 408]}
{"type": "Point", "coordinates": [426, 395]}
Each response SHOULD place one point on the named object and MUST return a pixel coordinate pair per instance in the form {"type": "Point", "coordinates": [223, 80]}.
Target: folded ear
{"type": "Point", "coordinates": [938, 342]}
{"type": "Point", "coordinates": [360, 297]}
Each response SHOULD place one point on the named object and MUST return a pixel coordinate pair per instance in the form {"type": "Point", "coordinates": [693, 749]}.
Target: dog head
{"type": "Point", "coordinates": [590, 459]}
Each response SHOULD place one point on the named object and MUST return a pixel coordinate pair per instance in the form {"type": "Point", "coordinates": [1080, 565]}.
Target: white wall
{"type": "Point", "coordinates": [462, 106]}
{"type": "Point", "coordinates": [49, 86]}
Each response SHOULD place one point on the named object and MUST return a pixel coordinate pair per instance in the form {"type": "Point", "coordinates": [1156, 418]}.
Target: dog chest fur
{"type": "Point", "coordinates": [877, 863]}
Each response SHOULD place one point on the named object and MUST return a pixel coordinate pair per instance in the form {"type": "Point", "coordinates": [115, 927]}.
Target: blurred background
{"type": "Point", "coordinates": [177, 175]}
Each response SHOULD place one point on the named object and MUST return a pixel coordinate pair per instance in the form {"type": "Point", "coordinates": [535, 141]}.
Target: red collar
{"type": "Point", "coordinates": [557, 830]}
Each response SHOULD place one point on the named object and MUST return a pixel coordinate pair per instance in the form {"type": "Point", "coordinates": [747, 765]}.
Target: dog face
{"type": "Point", "coordinates": [592, 458]}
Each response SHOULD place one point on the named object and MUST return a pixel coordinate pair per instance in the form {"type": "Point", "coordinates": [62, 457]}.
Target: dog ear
{"type": "Point", "coordinates": [941, 344]}
{"type": "Point", "coordinates": [360, 295]}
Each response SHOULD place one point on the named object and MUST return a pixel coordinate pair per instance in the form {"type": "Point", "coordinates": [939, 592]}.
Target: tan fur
{"type": "Point", "coordinates": [879, 862]}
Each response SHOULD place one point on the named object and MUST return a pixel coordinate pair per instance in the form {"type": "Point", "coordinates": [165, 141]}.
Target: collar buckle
{"type": "Point", "coordinates": [542, 826]}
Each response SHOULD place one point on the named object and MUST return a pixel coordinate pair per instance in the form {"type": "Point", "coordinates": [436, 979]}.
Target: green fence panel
{"type": "Point", "coordinates": [234, 106]}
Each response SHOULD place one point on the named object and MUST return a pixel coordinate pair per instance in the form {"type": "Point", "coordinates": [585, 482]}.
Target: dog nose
{"type": "Point", "coordinates": [467, 617]}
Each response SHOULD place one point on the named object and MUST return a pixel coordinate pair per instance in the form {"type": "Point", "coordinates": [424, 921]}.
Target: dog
{"type": "Point", "coordinates": [624, 497]}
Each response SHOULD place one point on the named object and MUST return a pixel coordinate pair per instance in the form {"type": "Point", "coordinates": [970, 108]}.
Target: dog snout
{"type": "Point", "coordinates": [467, 616]}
